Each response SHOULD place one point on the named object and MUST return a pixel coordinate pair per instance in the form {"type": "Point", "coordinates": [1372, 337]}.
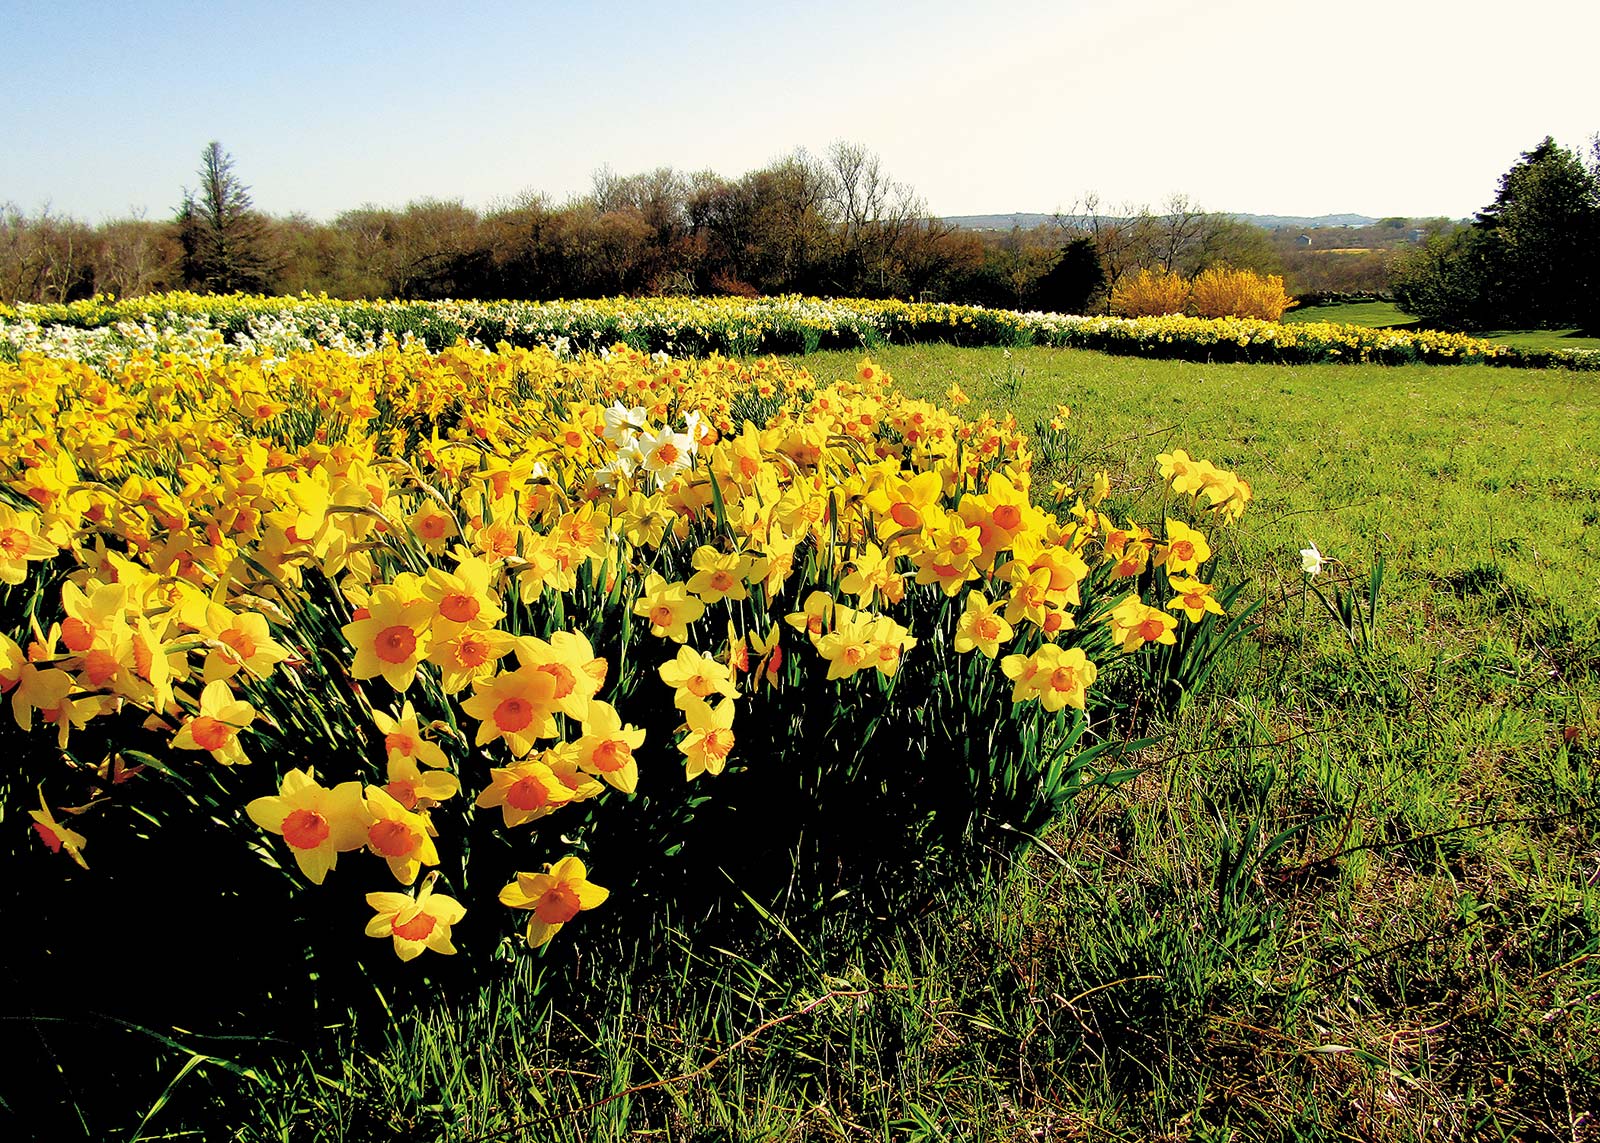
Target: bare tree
{"type": "Point", "coordinates": [21, 260]}
{"type": "Point", "coordinates": [132, 257]}
{"type": "Point", "coordinates": [1176, 232]}
{"type": "Point", "coordinates": [606, 189]}
{"type": "Point", "coordinates": [771, 230]}
{"type": "Point", "coordinates": [1123, 240]}
{"type": "Point", "coordinates": [873, 214]}
{"type": "Point", "coordinates": [45, 258]}
{"type": "Point", "coordinates": [660, 197]}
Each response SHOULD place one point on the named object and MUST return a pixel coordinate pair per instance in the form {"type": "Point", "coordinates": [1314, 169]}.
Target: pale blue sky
{"type": "Point", "coordinates": [1395, 107]}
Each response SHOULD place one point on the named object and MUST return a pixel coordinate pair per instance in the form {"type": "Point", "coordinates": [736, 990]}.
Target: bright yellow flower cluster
{"type": "Point", "coordinates": [1256, 339]}
{"type": "Point", "coordinates": [486, 520]}
{"type": "Point", "coordinates": [1219, 292]}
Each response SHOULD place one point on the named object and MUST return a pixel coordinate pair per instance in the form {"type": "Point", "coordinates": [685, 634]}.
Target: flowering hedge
{"type": "Point", "coordinates": [103, 329]}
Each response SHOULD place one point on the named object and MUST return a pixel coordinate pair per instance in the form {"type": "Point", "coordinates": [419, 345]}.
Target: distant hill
{"type": "Point", "coordinates": [1027, 221]}
{"type": "Point", "coordinates": [998, 221]}
{"type": "Point", "coordinates": [1304, 222]}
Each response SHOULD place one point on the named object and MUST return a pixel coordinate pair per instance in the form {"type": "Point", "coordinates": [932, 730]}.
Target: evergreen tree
{"type": "Point", "coordinates": [1540, 239]}
{"type": "Point", "coordinates": [222, 238]}
{"type": "Point", "coordinates": [1074, 282]}
{"type": "Point", "coordinates": [1530, 259]}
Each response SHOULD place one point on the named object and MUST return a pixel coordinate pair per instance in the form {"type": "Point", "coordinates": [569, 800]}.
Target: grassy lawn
{"type": "Point", "coordinates": [1353, 891]}
{"type": "Point", "coordinates": [1373, 315]}
{"type": "Point", "coordinates": [1544, 338]}
{"type": "Point", "coordinates": [1444, 469]}
{"type": "Point", "coordinates": [1386, 315]}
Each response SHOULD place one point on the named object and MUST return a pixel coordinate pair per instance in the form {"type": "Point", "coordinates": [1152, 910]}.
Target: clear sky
{"type": "Point", "coordinates": [1379, 107]}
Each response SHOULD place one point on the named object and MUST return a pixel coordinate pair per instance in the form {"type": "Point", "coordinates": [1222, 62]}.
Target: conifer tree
{"type": "Point", "coordinates": [222, 237]}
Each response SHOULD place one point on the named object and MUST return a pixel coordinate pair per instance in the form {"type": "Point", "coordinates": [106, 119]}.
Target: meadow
{"type": "Point", "coordinates": [1350, 888]}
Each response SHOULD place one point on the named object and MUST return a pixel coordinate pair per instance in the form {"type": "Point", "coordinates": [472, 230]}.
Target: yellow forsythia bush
{"type": "Point", "coordinates": [1223, 292]}
{"type": "Point", "coordinates": [1219, 292]}
{"type": "Point", "coordinates": [1150, 293]}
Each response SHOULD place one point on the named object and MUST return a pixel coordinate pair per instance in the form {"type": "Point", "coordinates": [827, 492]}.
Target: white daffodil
{"type": "Point", "coordinates": [666, 454]}
{"type": "Point", "coordinates": [622, 421]}
{"type": "Point", "coordinates": [622, 467]}
{"type": "Point", "coordinates": [1311, 559]}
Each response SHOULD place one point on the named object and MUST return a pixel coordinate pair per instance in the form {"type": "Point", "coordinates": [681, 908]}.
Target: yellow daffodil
{"type": "Point", "coordinates": [465, 653]}
{"type": "Point", "coordinates": [710, 738]}
{"type": "Point", "coordinates": [1133, 625]}
{"type": "Point", "coordinates": [981, 627]}
{"type": "Point", "coordinates": [873, 574]}
{"type": "Point", "coordinates": [37, 689]}
{"type": "Point", "coordinates": [1194, 599]}
{"type": "Point", "coordinates": [815, 618]}
{"type": "Point", "coordinates": [403, 739]}
{"type": "Point", "coordinates": [569, 659]}
{"type": "Point", "coordinates": [317, 823]}
{"type": "Point", "coordinates": [20, 544]}
{"type": "Point", "coordinates": [887, 643]}
{"type": "Point", "coordinates": [845, 649]}
{"type": "Point", "coordinates": [56, 836]}
{"type": "Point", "coordinates": [607, 746]}
{"type": "Point", "coordinates": [696, 675]}
{"type": "Point", "coordinates": [555, 897]}
{"type": "Point", "coordinates": [433, 525]}
{"type": "Point", "coordinates": [238, 641]}
{"type": "Point", "coordinates": [1055, 676]}
{"type": "Point", "coordinates": [398, 835]}
{"type": "Point", "coordinates": [1182, 472]}
{"type": "Point", "coordinates": [718, 575]}
{"type": "Point", "coordinates": [418, 923]}
{"type": "Point", "coordinates": [1186, 549]}
{"type": "Point", "coordinates": [524, 792]}
{"type": "Point", "coordinates": [562, 758]}
{"type": "Point", "coordinates": [416, 788]}
{"type": "Point", "coordinates": [759, 656]}
{"type": "Point", "coordinates": [390, 639]}
{"type": "Point", "coordinates": [517, 706]}
{"type": "Point", "coordinates": [217, 725]}
{"type": "Point", "coordinates": [669, 608]}
{"type": "Point", "coordinates": [466, 595]}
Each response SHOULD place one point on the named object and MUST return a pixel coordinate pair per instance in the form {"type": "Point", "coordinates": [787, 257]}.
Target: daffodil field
{"type": "Point", "coordinates": [511, 637]}
{"type": "Point", "coordinates": [540, 681]}
{"type": "Point", "coordinates": [101, 328]}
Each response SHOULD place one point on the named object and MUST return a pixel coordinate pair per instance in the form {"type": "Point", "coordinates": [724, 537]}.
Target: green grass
{"type": "Point", "coordinates": [1387, 315]}
{"type": "Point", "coordinates": [1443, 468]}
{"type": "Point", "coordinates": [1373, 315]}
{"type": "Point", "coordinates": [1543, 338]}
{"type": "Point", "coordinates": [1354, 892]}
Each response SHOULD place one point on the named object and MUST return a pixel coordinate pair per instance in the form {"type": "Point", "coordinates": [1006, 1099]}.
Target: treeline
{"type": "Point", "coordinates": [830, 225]}
{"type": "Point", "coordinates": [1351, 260]}
{"type": "Point", "coordinates": [1530, 259]}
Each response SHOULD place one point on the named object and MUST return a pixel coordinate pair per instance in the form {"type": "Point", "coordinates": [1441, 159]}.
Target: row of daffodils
{"type": "Point", "coordinates": [692, 326]}
{"type": "Point", "coordinates": [374, 594]}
